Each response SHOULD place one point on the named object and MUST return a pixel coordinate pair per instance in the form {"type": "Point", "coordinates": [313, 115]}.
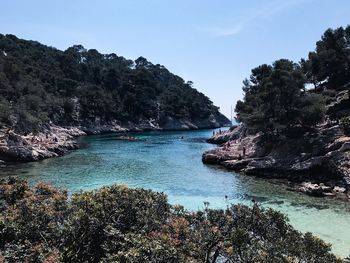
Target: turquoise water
{"type": "Point", "coordinates": [168, 163]}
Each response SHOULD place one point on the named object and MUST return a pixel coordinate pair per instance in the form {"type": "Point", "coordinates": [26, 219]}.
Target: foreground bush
{"type": "Point", "coordinates": [118, 224]}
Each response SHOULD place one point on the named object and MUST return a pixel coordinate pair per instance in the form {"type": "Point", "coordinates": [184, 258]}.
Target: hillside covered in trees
{"type": "Point", "coordinates": [295, 120]}
{"type": "Point", "coordinates": [41, 85]}
{"type": "Point", "coordinates": [288, 94]}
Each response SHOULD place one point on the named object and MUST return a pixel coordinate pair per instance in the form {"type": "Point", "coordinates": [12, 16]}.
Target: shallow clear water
{"type": "Point", "coordinates": [165, 162]}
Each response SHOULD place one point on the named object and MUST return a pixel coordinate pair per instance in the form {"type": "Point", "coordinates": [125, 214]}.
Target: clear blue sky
{"type": "Point", "coordinates": [214, 43]}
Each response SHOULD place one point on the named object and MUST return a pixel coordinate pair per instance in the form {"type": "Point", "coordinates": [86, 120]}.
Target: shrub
{"type": "Point", "coordinates": [119, 224]}
{"type": "Point", "coordinates": [345, 124]}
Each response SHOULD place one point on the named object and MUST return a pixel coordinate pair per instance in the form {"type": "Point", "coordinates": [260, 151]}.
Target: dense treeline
{"type": "Point", "coordinates": [40, 84]}
{"type": "Point", "coordinates": [118, 224]}
{"type": "Point", "coordinates": [277, 98]}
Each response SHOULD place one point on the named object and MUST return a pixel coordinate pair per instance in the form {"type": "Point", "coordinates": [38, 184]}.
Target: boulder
{"type": "Point", "coordinates": [236, 165]}
{"type": "Point", "coordinates": [314, 189]}
{"type": "Point", "coordinates": [218, 156]}
{"type": "Point", "coordinates": [233, 133]}
{"type": "Point", "coordinates": [339, 189]}
{"type": "Point", "coordinates": [17, 153]}
{"type": "Point", "coordinates": [308, 164]}
{"type": "Point", "coordinates": [51, 143]}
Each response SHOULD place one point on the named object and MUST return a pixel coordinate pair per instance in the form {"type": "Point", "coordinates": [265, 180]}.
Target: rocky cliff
{"type": "Point", "coordinates": [319, 160]}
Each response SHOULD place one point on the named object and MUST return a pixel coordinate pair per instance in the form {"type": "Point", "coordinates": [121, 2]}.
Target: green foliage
{"type": "Point", "coordinates": [31, 220]}
{"type": "Point", "coordinates": [312, 108]}
{"type": "Point", "coordinates": [275, 98]}
{"type": "Point", "coordinates": [102, 220]}
{"type": "Point", "coordinates": [39, 84]}
{"type": "Point", "coordinates": [328, 66]}
{"type": "Point", "coordinates": [345, 124]}
{"type": "Point", "coordinates": [118, 224]}
{"type": "Point", "coordinates": [5, 111]}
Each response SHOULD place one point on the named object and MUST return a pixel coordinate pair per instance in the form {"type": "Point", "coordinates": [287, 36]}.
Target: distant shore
{"type": "Point", "coordinates": [57, 140]}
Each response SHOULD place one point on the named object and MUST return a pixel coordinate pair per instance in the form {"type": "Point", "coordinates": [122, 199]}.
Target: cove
{"type": "Point", "coordinates": [170, 162]}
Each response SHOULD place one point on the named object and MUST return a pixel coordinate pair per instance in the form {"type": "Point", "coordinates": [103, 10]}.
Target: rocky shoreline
{"type": "Point", "coordinates": [26, 148]}
{"type": "Point", "coordinates": [318, 161]}
{"type": "Point", "coordinates": [55, 140]}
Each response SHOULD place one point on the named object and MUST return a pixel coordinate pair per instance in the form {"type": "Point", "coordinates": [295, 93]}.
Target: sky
{"type": "Point", "coordinates": [214, 43]}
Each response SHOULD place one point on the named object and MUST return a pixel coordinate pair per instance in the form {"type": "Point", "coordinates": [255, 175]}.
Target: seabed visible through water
{"type": "Point", "coordinates": [166, 162]}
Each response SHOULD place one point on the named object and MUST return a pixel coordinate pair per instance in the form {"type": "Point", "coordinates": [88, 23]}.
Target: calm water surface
{"type": "Point", "coordinates": [165, 162]}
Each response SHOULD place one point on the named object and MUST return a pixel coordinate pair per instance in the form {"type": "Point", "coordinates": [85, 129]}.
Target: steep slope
{"type": "Point", "coordinates": [49, 96]}
{"type": "Point", "coordinates": [41, 85]}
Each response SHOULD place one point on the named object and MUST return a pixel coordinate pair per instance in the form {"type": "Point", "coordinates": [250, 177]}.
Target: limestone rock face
{"type": "Point", "coordinates": [321, 155]}
{"type": "Point", "coordinates": [98, 126]}
{"type": "Point", "coordinates": [212, 121]}
{"type": "Point", "coordinates": [237, 147]}
{"type": "Point", "coordinates": [57, 140]}
{"type": "Point", "coordinates": [13, 153]}
{"type": "Point", "coordinates": [52, 143]}
{"type": "Point", "coordinates": [221, 137]}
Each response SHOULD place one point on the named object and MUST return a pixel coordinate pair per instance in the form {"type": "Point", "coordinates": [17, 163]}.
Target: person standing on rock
{"type": "Point", "coordinates": [243, 151]}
